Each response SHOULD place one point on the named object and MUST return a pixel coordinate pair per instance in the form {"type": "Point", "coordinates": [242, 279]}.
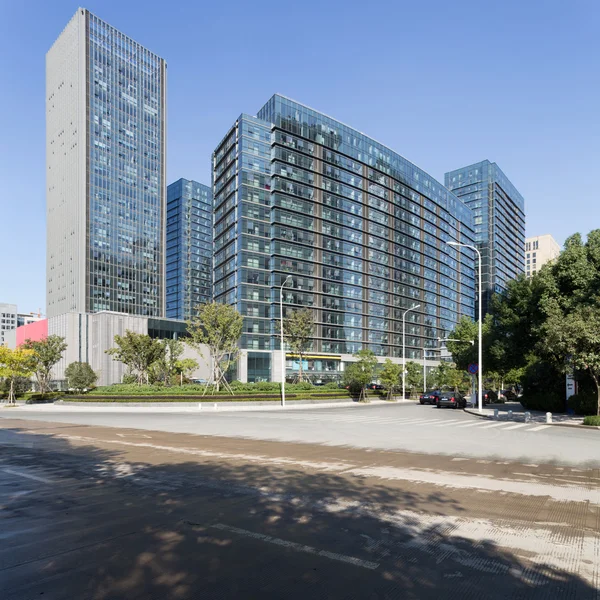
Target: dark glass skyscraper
{"type": "Point", "coordinates": [499, 221]}
{"type": "Point", "coordinates": [361, 230]}
{"type": "Point", "coordinates": [105, 157]}
{"type": "Point", "coordinates": [189, 247]}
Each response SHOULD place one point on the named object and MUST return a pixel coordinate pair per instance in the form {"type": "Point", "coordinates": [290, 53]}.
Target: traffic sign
{"type": "Point", "coordinates": [473, 368]}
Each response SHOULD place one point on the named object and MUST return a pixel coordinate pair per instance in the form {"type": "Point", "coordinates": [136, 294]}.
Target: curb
{"type": "Point", "coordinates": [568, 425]}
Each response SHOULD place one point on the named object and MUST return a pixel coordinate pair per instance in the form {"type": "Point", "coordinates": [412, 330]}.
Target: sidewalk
{"type": "Point", "coordinates": [518, 414]}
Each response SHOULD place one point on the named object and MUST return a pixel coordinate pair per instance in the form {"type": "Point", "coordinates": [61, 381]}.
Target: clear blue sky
{"type": "Point", "coordinates": [444, 83]}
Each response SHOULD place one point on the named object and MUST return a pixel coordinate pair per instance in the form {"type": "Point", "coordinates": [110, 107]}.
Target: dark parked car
{"type": "Point", "coordinates": [375, 386]}
{"type": "Point", "coordinates": [429, 397]}
{"type": "Point", "coordinates": [451, 400]}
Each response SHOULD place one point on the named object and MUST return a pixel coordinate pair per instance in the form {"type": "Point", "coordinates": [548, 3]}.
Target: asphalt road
{"type": "Point", "coordinates": [407, 427]}
{"type": "Point", "coordinates": [112, 513]}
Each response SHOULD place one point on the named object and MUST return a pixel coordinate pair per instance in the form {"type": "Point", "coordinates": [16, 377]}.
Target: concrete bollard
{"type": "Point", "coordinates": [548, 417]}
{"type": "Point", "coordinates": [527, 417]}
{"type": "Point", "coordinates": [496, 414]}
{"type": "Point", "coordinates": [200, 406]}
{"type": "Point", "coordinates": [215, 405]}
{"type": "Point", "coordinates": [510, 415]}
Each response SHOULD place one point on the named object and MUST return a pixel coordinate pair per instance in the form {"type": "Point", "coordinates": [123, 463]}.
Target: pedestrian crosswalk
{"type": "Point", "coordinates": [328, 419]}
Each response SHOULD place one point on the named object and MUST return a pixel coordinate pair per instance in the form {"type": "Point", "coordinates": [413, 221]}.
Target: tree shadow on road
{"type": "Point", "coordinates": [116, 524]}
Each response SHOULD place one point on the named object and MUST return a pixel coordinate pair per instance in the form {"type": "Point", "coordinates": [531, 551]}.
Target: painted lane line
{"type": "Point", "coordinates": [540, 428]}
{"type": "Point", "coordinates": [517, 426]}
{"type": "Point", "coordinates": [28, 476]}
{"type": "Point", "coordinates": [493, 425]}
{"type": "Point", "coordinates": [477, 423]}
{"type": "Point", "coordinates": [366, 564]}
{"type": "Point", "coordinates": [446, 423]}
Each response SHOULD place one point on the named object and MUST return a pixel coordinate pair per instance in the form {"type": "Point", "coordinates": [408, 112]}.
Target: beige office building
{"type": "Point", "coordinates": [538, 251]}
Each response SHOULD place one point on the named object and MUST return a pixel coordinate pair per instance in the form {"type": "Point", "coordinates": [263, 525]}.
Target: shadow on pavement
{"type": "Point", "coordinates": [118, 524]}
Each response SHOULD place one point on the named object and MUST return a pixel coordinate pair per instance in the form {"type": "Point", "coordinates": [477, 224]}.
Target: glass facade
{"type": "Point", "coordinates": [189, 248]}
{"type": "Point", "coordinates": [125, 163]}
{"type": "Point", "coordinates": [499, 221]}
{"type": "Point", "coordinates": [361, 230]}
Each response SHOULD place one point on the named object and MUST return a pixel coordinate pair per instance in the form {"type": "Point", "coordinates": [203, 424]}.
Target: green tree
{"type": "Point", "coordinates": [19, 362]}
{"type": "Point", "coordinates": [414, 376]}
{"type": "Point", "coordinates": [80, 376]}
{"type": "Point", "coordinates": [298, 329]}
{"type": "Point", "coordinates": [165, 367]}
{"type": "Point", "coordinates": [219, 328]}
{"type": "Point", "coordinates": [390, 376]}
{"type": "Point", "coordinates": [46, 353]}
{"type": "Point", "coordinates": [138, 352]}
{"type": "Point", "coordinates": [464, 352]}
{"type": "Point", "coordinates": [185, 367]}
{"type": "Point", "coordinates": [360, 373]}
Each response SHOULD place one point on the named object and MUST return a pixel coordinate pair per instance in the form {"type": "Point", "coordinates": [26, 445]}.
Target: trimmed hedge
{"type": "Point", "coordinates": [592, 420]}
{"type": "Point", "coordinates": [545, 402]}
{"type": "Point", "coordinates": [584, 403]}
{"type": "Point", "coordinates": [199, 399]}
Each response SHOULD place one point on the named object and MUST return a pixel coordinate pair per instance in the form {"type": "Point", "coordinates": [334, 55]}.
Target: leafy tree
{"type": "Point", "coordinates": [463, 352]}
{"type": "Point", "coordinates": [46, 353]}
{"type": "Point", "coordinates": [390, 376]}
{"type": "Point", "coordinates": [576, 336]}
{"type": "Point", "coordinates": [15, 363]}
{"type": "Point", "coordinates": [165, 367]}
{"type": "Point", "coordinates": [138, 352]}
{"type": "Point", "coordinates": [298, 329]}
{"type": "Point", "coordinates": [360, 373]}
{"type": "Point", "coordinates": [20, 385]}
{"type": "Point", "coordinates": [414, 375]}
{"type": "Point", "coordinates": [80, 376]}
{"type": "Point", "coordinates": [185, 367]}
{"type": "Point", "coordinates": [219, 327]}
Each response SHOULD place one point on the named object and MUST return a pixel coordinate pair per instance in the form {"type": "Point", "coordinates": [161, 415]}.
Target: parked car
{"type": "Point", "coordinates": [375, 386]}
{"type": "Point", "coordinates": [430, 397]}
{"type": "Point", "coordinates": [451, 400]}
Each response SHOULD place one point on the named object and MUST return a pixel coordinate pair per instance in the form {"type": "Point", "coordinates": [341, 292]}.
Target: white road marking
{"type": "Point", "coordinates": [472, 424]}
{"type": "Point", "coordinates": [446, 423]}
{"type": "Point", "coordinates": [493, 425]}
{"type": "Point", "coordinates": [366, 564]}
{"type": "Point", "coordinates": [540, 428]}
{"type": "Point", "coordinates": [517, 426]}
{"type": "Point", "coordinates": [27, 475]}
{"type": "Point", "coordinates": [135, 435]}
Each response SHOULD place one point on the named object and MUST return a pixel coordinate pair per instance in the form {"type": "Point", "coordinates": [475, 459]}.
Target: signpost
{"type": "Point", "coordinates": [473, 368]}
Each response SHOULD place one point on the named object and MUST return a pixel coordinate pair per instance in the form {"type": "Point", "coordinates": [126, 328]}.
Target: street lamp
{"type": "Point", "coordinates": [404, 348]}
{"type": "Point", "coordinates": [287, 279]}
{"type": "Point", "coordinates": [479, 345]}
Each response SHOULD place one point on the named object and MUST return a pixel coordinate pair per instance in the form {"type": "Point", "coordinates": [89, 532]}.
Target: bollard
{"type": "Point", "coordinates": [496, 414]}
{"type": "Point", "coordinates": [200, 406]}
{"type": "Point", "coordinates": [510, 415]}
{"type": "Point", "coordinates": [215, 406]}
{"type": "Point", "coordinates": [548, 417]}
{"type": "Point", "coordinates": [527, 417]}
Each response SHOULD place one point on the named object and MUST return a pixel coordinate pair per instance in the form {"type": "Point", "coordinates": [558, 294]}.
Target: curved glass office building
{"type": "Point", "coordinates": [360, 229]}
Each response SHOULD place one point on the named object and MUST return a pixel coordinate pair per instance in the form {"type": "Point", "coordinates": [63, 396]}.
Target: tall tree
{"type": "Point", "coordinates": [414, 375]}
{"type": "Point", "coordinates": [362, 372]}
{"type": "Point", "coordinates": [80, 376]}
{"type": "Point", "coordinates": [219, 328]}
{"type": "Point", "coordinates": [165, 366]}
{"type": "Point", "coordinates": [46, 353]}
{"type": "Point", "coordinates": [390, 376]}
{"type": "Point", "coordinates": [15, 363]}
{"type": "Point", "coordinates": [298, 329]}
{"type": "Point", "coordinates": [138, 351]}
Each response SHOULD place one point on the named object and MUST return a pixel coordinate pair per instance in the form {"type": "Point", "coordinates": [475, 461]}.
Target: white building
{"type": "Point", "coordinates": [8, 322]}
{"type": "Point", "coordinates": [538, 251]}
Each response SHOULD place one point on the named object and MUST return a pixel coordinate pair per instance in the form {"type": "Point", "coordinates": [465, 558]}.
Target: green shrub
{"type": "Point", "coordinates": [592, 420]}
{"type": "Point", "coordinates": [546, 402]}
{"type": "Point", "coordinates": [584, 403]}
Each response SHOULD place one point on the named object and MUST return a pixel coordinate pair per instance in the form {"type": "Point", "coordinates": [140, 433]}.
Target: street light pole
{"type": "Point", "coordinates": [480, 341]}
{"type": "Point", "coordinates": [404, 348]}
{"type": "Point", "coordinates": [288, 278]}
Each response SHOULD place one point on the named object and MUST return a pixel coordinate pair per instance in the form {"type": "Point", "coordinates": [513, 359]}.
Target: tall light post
{"type": "Point", "coordinates": [287, 279]}
{"type": "Point", "coordinates": [404, 348]}
{"type": "Point", "coordinates": [480, 341]}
